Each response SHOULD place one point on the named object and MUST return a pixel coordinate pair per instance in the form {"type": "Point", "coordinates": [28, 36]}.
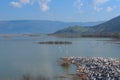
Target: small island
{"type": "Point", "coordinates": [55, 42]}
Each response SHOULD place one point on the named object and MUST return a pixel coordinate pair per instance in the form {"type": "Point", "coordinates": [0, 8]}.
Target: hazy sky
{"type": "Point", "coordinates": [60, 10]}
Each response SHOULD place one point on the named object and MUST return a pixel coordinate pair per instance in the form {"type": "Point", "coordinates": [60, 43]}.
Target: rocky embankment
{"type": "Point", "coordinates": [96, 68]}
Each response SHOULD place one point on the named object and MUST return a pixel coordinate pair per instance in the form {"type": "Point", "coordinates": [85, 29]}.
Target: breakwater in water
{"type": "Point", "coordinates": [95, 68]}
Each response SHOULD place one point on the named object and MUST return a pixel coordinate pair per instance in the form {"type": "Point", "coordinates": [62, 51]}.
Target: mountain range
{"type": "Point", "coordinates": [111, 26]}
{"type": "Point", "coordinates": [38, 26]}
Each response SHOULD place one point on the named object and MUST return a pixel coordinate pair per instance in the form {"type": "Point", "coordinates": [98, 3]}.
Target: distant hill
{"type": "Point", "coordinates": [111, 26]}
{"type": "Point", "coordinates": [37, 26]}
{"type": "Point", "coordinates": [75, 30]}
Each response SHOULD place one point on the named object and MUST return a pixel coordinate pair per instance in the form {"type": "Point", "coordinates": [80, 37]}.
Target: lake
{"type": "Point", "coordinates": [23, 55]}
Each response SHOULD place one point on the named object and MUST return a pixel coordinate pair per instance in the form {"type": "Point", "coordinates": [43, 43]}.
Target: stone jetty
{"type": "Point", "coordinates": [96, 68]}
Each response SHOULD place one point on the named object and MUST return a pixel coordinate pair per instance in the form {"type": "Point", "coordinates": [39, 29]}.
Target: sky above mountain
{"type": "Point", "coordinates": [59, 10]}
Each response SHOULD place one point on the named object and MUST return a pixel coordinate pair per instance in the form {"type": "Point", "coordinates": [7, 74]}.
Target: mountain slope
{"type": "Point", "coordinates": [111, 26]}
{"type": "Point", "coordinates": [37, 26]}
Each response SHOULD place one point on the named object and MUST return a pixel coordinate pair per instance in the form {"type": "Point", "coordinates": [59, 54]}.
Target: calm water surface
{"type": "Point", "coordinates": [19, 56]}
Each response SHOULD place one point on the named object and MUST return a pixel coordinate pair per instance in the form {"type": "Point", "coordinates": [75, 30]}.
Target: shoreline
{"type": "Point", "coordinates": [95, 68]}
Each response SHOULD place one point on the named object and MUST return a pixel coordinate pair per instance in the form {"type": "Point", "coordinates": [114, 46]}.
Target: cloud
{"type": "Point", "coordinates": [44, 5]}
{"type": "Point", "coordinates": [98, 8]}
{"type": "Point", "coordinates": [97, 4]}
{"type": "Point", "coordinates": [16, 4]}
{"type": "Point", "coordinates": [25, 1]}
{"type": "Point", "coordinates": [20, 3]}
{"type": "Point", "coordinates": [78, 5]}
{"type": "Point", "coordinates": [109, 9]}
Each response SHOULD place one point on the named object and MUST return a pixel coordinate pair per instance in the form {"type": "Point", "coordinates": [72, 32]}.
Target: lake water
{"type": "Point", "coordinates": [23, 55]}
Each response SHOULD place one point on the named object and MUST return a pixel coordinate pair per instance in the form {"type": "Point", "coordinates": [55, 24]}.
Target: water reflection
{"type": "Point", "coordinates": [30, 77]}
{"type": "Point", "coordinates": [65, 66]}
